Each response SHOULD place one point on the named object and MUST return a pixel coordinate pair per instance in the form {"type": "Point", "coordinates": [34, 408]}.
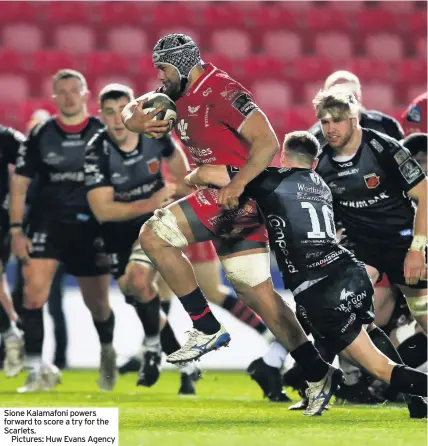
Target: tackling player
{"type": "Point", "coordinates": [61, 227]}
{"type": "Point", "coordinates": [219, 123]}
{"type": "Point", "coordinates": [332, 289]}
{"type": "Point", "coordinates": [414, 119]}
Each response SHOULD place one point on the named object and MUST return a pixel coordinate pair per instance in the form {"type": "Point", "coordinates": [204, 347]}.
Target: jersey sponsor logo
{"type": "Point", "coordinates": [346, 173]}
{"type": "Point", "coordinates": [326, 260]}
{"type": "Point", "coordinates": [91, 168]}
{"type": "Point", "coordinates": [136, 192]}
{"type": "Point", "coordinates": [406, 232]}
{"type": "Point", "coordinates": [372, 180]}
{"type": "Point", "coordinates": [401, 156]}
{"type": "Point", "coordinates": [92, 157]}
{"type": "Point", "coordinates": [365, 203]}
{"type": "Point", "coordinates": [193, 110]}
{"type": "Point", "coordinates": [58, 177]}
{"type": "Point", "coordinates": [200, 198]}
{"type": "Point", "coordinates": [117, 178]}
{"type": "Point", "coordinates": [182, 128]}
{"type": "Point", "coordinates": [207, 92]}
{"type": "Point", "coordinates": [348, 164]}
{"type": "Point", "coordinates": [197, 152]}
{"type": "Point", "coordinates": [349, 322]}
{"type": "Point", "coordinates": [153, 165]}
{"type": "Point", "coordinates": [96, 178]}
{"type": "Point", "coordinates": [133, 160]}
{"type": "Point", "coordinates": [376, 145]}
{"type": "Point", "coordinates": [410, 170]}
{"type": "Point", "coordinates": [309, 189]}
{"type": "Point", "coordinates": [244, 104]}
{"type": "Point", "coordinates": [414, 114]}
{"type": "Point", "coordinates": [315, 178]}
{"type": "Point", "coordinates": [278, 225]}
{"type": "Point", "coordinates": [53, 159]}
{"type": "Point", "coordinates": [206, 122]}
{"type": "Point", "coordinates": [336, 189]}
{"type": "Point", "coordinates": [77, 143]}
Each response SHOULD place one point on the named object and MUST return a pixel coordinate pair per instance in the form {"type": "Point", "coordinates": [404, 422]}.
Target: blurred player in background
{"type": "Point", "coordinates": [61, 227]}
{"type": "Point", "coordinates": [124, 184]}
{"type": "Point", "coordinates": [218, 121]}
{"type": "Point", "coordinates": [414, 119]}
{"type": "Point", "coordinates": [11, 336]}
{"type": "Point", "coordinates": [56, 294]}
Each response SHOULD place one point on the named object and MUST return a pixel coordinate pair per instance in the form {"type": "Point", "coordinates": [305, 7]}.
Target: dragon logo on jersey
{"type": "Point", "coordinates": [182, 128]}
{"type": "Point", "coordinates": [372, 180]}
{"type": "Point", "coordinates": [153, 165]}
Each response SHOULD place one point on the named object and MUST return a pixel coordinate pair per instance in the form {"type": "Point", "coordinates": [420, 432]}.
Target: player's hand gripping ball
{"type": "Point", "coordinates": [166, 107]}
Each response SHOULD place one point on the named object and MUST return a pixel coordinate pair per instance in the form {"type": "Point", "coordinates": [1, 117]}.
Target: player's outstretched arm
{"type": "Point", "coordinates": [264, 145]}
{"type": "Point", "coordinates": [415, 263]}
{"type": "Point", "coordinates": [208, 174]}
{"type": "Point", "coordinates": [137, 121]}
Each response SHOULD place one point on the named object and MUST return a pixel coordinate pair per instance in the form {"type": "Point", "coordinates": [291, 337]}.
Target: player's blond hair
{"type": "Point", "coordinates": [337, 102]}
{"type": "Point", "coordinates": [347, 80]}
{"type": "Point", "coordinates": [68, 73]}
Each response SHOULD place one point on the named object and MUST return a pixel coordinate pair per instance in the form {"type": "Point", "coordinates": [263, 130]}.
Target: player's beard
{"type": "Point", "coordinates": [174, 89]}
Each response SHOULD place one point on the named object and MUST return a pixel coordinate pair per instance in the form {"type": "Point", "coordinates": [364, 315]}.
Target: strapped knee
{"type": "Point", "coordinates": [164, 224]}
{"type": "Point", "coordinates": [249, 270]}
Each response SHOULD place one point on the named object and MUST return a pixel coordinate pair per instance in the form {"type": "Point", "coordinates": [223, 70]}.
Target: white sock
{"type": "Point", "coordinates": [152, 342]}
{"type": "Point", "coordinates": [34, 363]}
{"type": "Point", "coordinates": [12, 331]}
{"type": "Point", "coordinates": [188, 368]}
{"type": "Point", "coordinates": [275, 356]}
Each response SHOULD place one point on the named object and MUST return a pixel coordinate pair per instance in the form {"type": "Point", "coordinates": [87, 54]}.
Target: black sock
{"type": "Point", "coordinates": [384, 344]}
{"type": "Point", "coordinates": [105, 329]}
{"type": "Point", "coordinates": [197, 308]}
{"type": "Point", "coordinates": [166, 306]}
{"type": "Point", "coordinates": [4, 320]}
{"type": "Point", "coordinates": [413, 350]}
{"type": "Point", "coordinates": [34, 331]}
{"type": "Point", "coordinates": [407, 380]}
{"type": "Point", "coordinates": [148, 313]}
{"type": "Point", "coordinates": [244, 313]}
{"type": "Point", "coordinates": [313, 366]}
{"type": "Point", "coordinates": [168, 340]}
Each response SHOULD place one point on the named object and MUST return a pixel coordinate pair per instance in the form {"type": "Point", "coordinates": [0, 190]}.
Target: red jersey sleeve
{"type": "Point", "coordinates": [233, 105]}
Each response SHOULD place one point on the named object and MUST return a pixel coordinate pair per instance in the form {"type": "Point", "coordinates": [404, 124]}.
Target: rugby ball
{"type": "Point", "coordinates": [169, 112]}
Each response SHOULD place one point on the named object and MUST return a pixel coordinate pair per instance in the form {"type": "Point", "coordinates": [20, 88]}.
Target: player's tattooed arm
{"type": "Point", "coordinates": [264, 145]}
{"type": "Point", "coordinates": [208, 174]}
{"type": "Point", "coordinates": [415, 263]}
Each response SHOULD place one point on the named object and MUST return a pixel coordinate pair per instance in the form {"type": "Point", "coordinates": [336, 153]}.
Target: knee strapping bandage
{"type": "Point", "coordinates": [250, 270]}
{"type": "Point", "coordinates": [165, 226]}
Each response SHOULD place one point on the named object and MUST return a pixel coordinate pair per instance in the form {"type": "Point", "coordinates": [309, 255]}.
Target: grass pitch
{"type": "Point", "coordinates": [228, 411]}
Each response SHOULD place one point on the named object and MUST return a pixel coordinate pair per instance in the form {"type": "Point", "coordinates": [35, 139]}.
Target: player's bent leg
{"type": "Point", "coordinates": [403, 378]}
{"type": "Point", "coordinates": [94, 290]}
{"type": "Point", "coordinates": [417, 300]}
{"type": "Point", "coordinates": [162, 238]}
{"type": "Point", "coordinates": [249, 272]}
{"type": "Point", "coordinates": [384, 304]}
{"type": "Point", "coordinates": [37, 275]}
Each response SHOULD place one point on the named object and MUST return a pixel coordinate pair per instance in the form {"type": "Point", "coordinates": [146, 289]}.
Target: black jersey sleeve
{"type": "Point", "coordinates": [168, 146]}
{"type": "Point", "coordinates": [393, 128]}
{"type": "Point", "coordinates": [10, 141]}
{"type": "Point", "coordinates": [96, 163]}
{"type": "Point", "coordinates": [263, 184]}
{"type": "Point", "coordinates": [27, 158]}
{"type": "Point", "coordinates": [397, 161]}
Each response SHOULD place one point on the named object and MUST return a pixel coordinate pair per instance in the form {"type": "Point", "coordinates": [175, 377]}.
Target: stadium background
{"type": "Point", "coordinates": [281, 51]}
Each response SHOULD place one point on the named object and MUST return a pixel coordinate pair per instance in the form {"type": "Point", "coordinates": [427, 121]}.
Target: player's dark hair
{"type": "Point", "coordinates": [115, 92]}
{"type": "Point", "coordinates": [68, 73]}
{"type": "Point", "coordinates": [302, 145]}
